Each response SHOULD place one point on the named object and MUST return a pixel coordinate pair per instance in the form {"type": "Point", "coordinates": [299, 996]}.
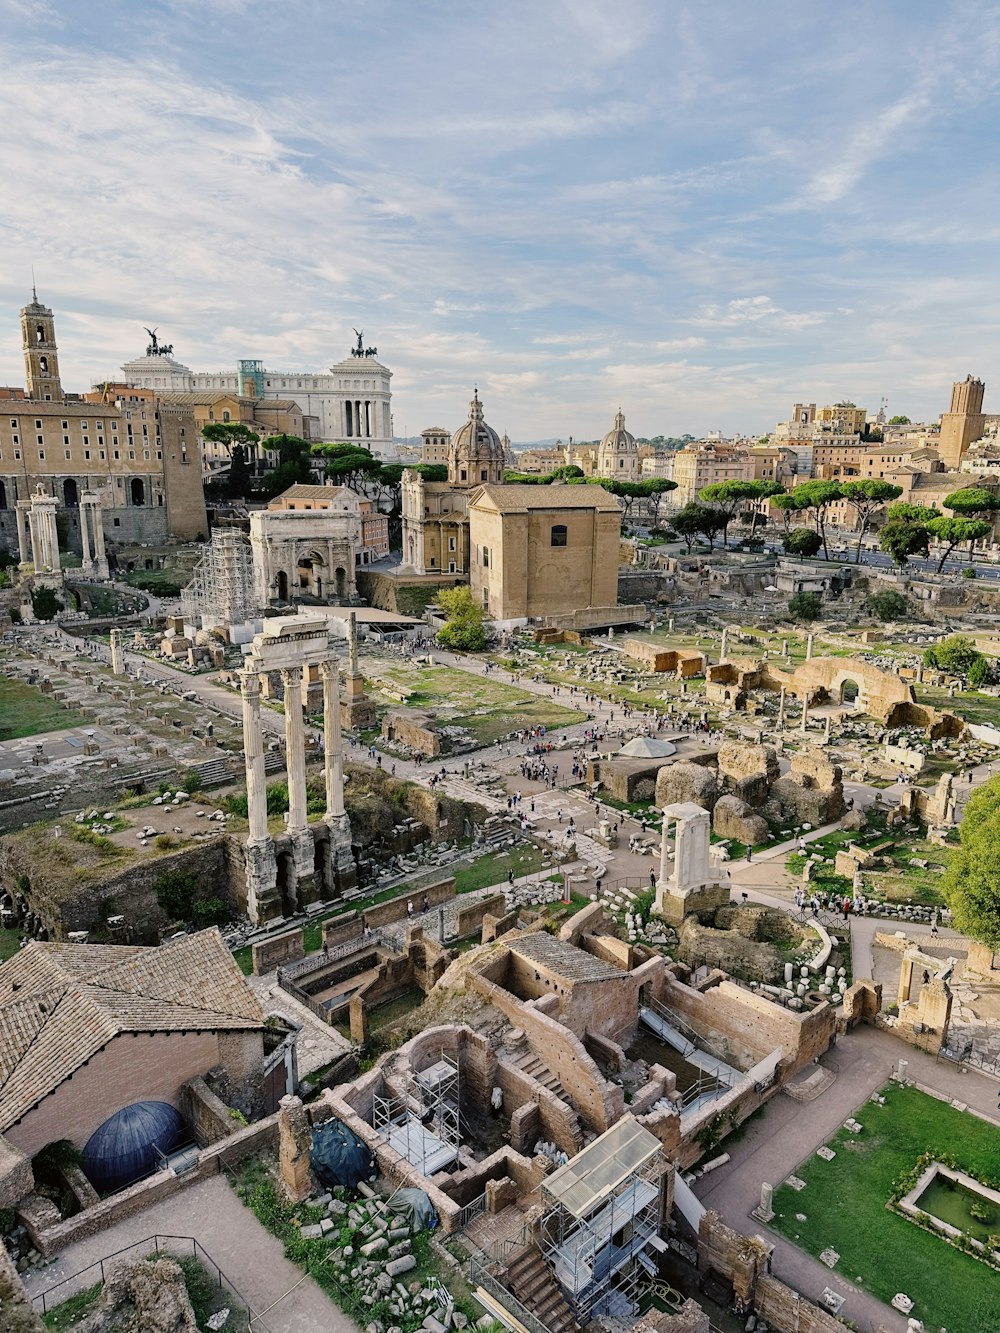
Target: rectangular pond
{"type": "Point", "coordinates": [966, 1209]}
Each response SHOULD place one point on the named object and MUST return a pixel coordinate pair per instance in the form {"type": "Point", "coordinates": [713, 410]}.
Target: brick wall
{"type": "Point", "coordinates": [786, 1310]}
{"type": "Point", "coordinates": [207, 1114]}
{"type": "Point", "coordinates": [273, 953]}
{"type": "Point", "coordinates": [16, 1178]}
{"type": "Point", "coordinates": [340, 929]}
{"type": "Point", "coordinates": [131, 1068]}
{"type": "Point", "coordinates": [394, 909]}
{"type": "Point", "coordinates": [470, 919]}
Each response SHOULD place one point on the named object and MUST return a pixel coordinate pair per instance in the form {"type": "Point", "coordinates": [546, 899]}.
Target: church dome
{"type": "Point", "coordinates": [618, 453]}
{"type": "Point", "coordinates": [477, 452]}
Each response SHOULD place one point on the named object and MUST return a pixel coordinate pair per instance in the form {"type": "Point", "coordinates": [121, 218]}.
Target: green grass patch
{"type": "Point", "coordinates": [844, 1204]}
{"type": "Point", "coordinates": [26, 711]}
{"type": "Point", "coordinates": [980, 709]}
{"type": "Point", "coordinates": [485, 707]}
{"type": "Point", "coordinates": [10, 942]}
{"type": "Point", "coordinates": [71, 1311]}
{"type": "Point", "coordinates": [493, 868]}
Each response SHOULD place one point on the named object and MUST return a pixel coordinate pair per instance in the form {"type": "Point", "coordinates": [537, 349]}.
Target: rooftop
{"type": "Point", "coordinates": [546, 497]}
{"type": "Point", "coordinates": [62, 1003]}
{"type": "Point", "coordinates": [566, 960]}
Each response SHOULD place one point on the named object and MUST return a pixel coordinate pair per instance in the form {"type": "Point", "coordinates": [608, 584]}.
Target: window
{"type": "Point", "coordinates": [41, 455]}
{"type": "Point", "coordinates": [483, 476]}
{"type": "Point", "coordinates": [486, 556]}
{"type": "Point", "coordinates": [559, 534]}
{"type": "Point", "coordinates": [69, 455]}
{"type": "Point", "coordinates": [451, 567]}
{"type": "Point", "coordinates": [225, 416]}
{"type": "Point", "coordinates": [451, 543]}
{"type": "Point", "coordinates": [39, 439]}
{"type": "Point", "coordinates": [38, 424]}
{"type": "Point", "coordinates": [464, 475]}
{"type": "Point", "coordinates": [66, 441]}
{"type": "Point", "coordinates": [65, 425]}
{"type": "Point", "coordinates": [86, 454]}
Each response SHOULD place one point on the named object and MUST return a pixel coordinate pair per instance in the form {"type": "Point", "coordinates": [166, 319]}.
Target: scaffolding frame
{"type": "Point", "coordinates": [604, 1216]}
{"type": "Point", "coordinates": [422, 1123]}
{"type": "Point", "coordinates": [222, 584]}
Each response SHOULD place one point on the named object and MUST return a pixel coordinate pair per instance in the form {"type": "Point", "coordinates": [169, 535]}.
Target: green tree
{"type": "Point", "coordinates": [45, 604]}
{"type": "Point", "coordinates": [972, 500]}
{"type": "Point", "coordinates": [867, 498]}
{"type": "Point", "coordinates": [980, 671]}
{"type": "Point", "coordinates": [431, 471]}
{"type": "Point", "coordinates": [464, 630]}
{"type": "Point", "coordinates": [801, 541]}
{"type": "Point", "coordinates": [348, 464]}
{"type": "Point", "coordinates": [789, 505]}
{"type": "Point", "coordinates": [899, 421]}
{"type": "Point", "coordinates": [818, 495]}
{"type": "Point", "coordinates": [888, 604]}
{"type": "Point", "coordinates": [805, 606]}
{"type": "Point", "coordinates": [729, 497]}
{"type": "Point", "coordinates": [696, 520]}
{"type": "Point", "coordinates": [294, 465]}
{"type": "Point", "coordinates": [956, 653]}
{"type": "Point", "coordinates": [953, 531]}
{"type": "Point", "coordinates": [902, 540]}
{"type": "Point", "coordinates": [971, 883]}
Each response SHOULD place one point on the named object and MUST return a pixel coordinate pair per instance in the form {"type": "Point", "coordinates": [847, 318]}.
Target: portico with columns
{"type": "Point", "coordinates": [693, 879]}
{"type": "Point", "coordinates": [292, 646]}
{"type": "Point", "coordinates": [42, 533]}
{"type": "Point", "coordinates": [95, 559]}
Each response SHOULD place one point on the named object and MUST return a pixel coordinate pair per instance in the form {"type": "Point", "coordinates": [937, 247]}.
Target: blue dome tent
{"type": "Point", "coordinates": [339, 1157]}
{"type": "Point", "coordinates": [124, 1148]}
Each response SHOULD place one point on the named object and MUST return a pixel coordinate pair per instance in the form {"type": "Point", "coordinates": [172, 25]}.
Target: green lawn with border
{"type": "Point", "coordinates": [486, 708]}
{"type": "Point", "coordinates": [844, 1204]}
{"type": "Point", "coordinates": [26, 711]}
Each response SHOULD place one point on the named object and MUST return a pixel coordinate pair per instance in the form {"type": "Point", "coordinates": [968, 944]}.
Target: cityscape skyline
{"type": "Point", "coordinates": [698, 217]}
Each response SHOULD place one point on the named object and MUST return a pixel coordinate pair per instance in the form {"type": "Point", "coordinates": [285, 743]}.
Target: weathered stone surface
{"type": "Point", "coordinates": [295, 1140]}
{"type": "Point", "coordinates": [733, 818]}
{"type": "Point", "coordinates": [686, 781]}
{"type": "Point", "coordinates": [143, 1297]}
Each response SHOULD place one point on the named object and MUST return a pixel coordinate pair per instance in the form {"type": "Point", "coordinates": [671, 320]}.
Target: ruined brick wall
{"type": "Point", "coordinates": [607, 1006]}
{"type": "Point", "coordinates": [16, 1312]}
{"type": "Point", "coordinates": [750, 1026]}
{"type": "Point", "coordinates": [787, 1311]}
{"type": "Point", "coordinates": [496, 926]}
{"type": "Point", "coordinates": [340, 929]}
{"type": "Point", "coordinates": [413, 729]}
{"type": "Point", "coordinates": [394, 909]}
{"type": "Point", "coordinates": [16, 1178]}
{"type": "Point", "coordinates": [206, 1113]}
{"type": "Point", "coordinates": [580, 923]}
{"type": "Point", "coordinates": [598, 1102]}
{"type": "Point", "coordinates": [273, 953]}
{"type": "Point", "coordinates": [470, 919]}
{"type": "Point", "coordinates": [536, 1112]}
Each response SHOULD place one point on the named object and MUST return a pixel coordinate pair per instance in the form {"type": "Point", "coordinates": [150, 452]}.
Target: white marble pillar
{"type": "Point", "coordinates": [34, 527]}
{"type": "Point", "coordinates": [809, 647]}
{"type": "Point", "coordinates": [118, 654]}
{"type": "Point", "coordinates": [253, 750]}
{"type": "Point", "coordinates": [100, 552]}
{"type": "Point", "coordinates": [805, 714]}
{"type": "Point", "coordinates": [781, 708]}
{"type": "Point", "coordinates": [295, 749]}
{"type": "Point", "coordinates": [725, 644]}
{"type": "Point", "coordinates": [85, 551]}
{"type": "Point", "coordinates": [664, 853]}
{"type": "Point", "coordinates": [333, 740]}
{"type": "Point", "coordinates": [22, 534]}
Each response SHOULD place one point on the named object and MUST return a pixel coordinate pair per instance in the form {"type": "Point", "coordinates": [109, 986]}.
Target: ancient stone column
{"type": "Point", "coordinates": [724, 645]}
{"type": "Point", "coordinates": [333, 740]}
{"type": "Point", "coordinates": [22, 534]}
{"type": "Point", "coordinates": [781, 707]}
{"type": "Point", "coordinates": [99, 558]}
{"type": "Point", "coordinates": [303, 847]}
{"type": "Point", "coordinates": [85, 539]}
{"type": "Point", "coordinates": [805, 714]}
{"type": "Point", "coordinates": [764, 1210]}
{"type": "Point", "coordinates": [295, 748]}
{"type": "Point", "coordinates": [118, 654]}
{"type": "Point", "coordinates": [664, 853]}
{"type": "Point", "coordinates": [352, 643]}
{"type": "Point", "coordinates": [809, 647]}
{"type": "Point", "coordinates": [261, 865]}
{"type": "Point", "coordinates": [826, 738]}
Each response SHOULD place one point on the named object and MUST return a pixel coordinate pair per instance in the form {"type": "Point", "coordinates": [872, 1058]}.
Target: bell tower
{"type": "Point", "coordinates": [41, 356]}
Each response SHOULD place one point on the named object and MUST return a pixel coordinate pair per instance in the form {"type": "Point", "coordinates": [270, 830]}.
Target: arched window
{"type": "Point", "coordinates": [40, 333]}
{"type": "Point", "coordinates": [43, 364]}
{"type": "Point", "coordinates": [138, 490]}
{"type": "Point", "coordinates": [559, 534]}
{"type": "Point", "coordinates": [71, 494]}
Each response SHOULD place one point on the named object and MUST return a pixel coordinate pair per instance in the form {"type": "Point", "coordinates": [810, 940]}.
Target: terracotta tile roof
{"type": "Point", "coordinates": [61, 1003]}
{"type": "Point", "coordinates": [516, 497]}
{"type": "Point", "coordinates": [564, 959]}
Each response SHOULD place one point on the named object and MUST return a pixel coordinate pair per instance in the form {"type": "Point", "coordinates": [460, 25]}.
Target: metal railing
{"type": "Point", "coordinates": [471, 1211]}
{"type": "Point", "coordinates": [159, 1245]}
{"type": "Point", "coordinates": [482, 1277]}
{"type": "Point", "coordinates": [968, 1057]}
{"type": "Point", "coordinates": [313, 962]}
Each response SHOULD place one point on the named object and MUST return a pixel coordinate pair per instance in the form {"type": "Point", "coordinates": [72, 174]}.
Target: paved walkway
{"type": "Point", "coordinates": [249, 1256]}
{"type": "Point", "coordinates": [790, 1131]}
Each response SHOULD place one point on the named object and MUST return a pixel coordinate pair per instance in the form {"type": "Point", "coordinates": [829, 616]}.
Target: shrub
{"type": "Point", "coordinates": [805, 606]}
{"type": "Point", "coordinates": [888, 604]}
{"type": "Point", "coordinates": [175, 891]}
{"type": "Point", "coordinates": [969, 572]}
{"type": "Point", "coordinates": [209, 912]}
{"type": "Point", "coordinates": [192, 781]}
{"type": "Point", "coordinates": [45, 604]}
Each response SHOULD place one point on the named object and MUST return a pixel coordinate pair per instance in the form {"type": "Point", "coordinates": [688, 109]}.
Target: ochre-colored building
{"type": "Point", "coordinates": [139, 454]}
{"type": "Point", "coordinates": [963, 422]}
{"type": "Point", "coordinates": [539, 551]}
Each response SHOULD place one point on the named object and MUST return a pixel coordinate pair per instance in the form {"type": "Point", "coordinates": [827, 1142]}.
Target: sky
{"type": "Point", "coordinates": [701, 213]}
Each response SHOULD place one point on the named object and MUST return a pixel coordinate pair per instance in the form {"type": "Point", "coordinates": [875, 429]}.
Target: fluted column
{"type": "Point", "coordinates": [333, 740]}
{"type": "Point", "coordinates": [253, 750]}
{"type": "Point", "coordinates": [100, 553]}
{"type": "Point", "coordinates": [37, 558]}
{"type": "Point", "coordinates": [88, 559]}
{"type": "Point", "coordinates": [22, 534]}
{"type": "Point", "coordinates": [295, 748]}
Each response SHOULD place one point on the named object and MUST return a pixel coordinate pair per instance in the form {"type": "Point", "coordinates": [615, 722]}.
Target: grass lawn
{"type": "Point", "coordinates": [487, 709]}
{"type": "Point", "coordinates": [10, 942]}
{"type": "Point", "coordinates": [493, 867]}
{"type": "Point", "coordinates": [26, 711]}
{"type": "Point", "coordinates": [70, 1312]}
{"type": "Point", "coordinates": [980, 709]}
{"type": "Point", "coordinates": [881, 1252]}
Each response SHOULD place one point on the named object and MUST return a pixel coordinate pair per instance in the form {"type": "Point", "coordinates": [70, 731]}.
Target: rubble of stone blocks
{"type": "Point", "coordinates": [371, 1254]}
{"type": "Point", "coordinates": [620, 903]}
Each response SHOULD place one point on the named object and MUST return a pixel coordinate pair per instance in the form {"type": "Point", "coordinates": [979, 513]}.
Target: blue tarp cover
{"type": "Point", "coordinates": [339, 1157]}
{"type": "Point", "coordinates": [123, 1149]}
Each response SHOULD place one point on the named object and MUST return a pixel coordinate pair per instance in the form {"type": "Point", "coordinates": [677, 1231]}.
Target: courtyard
{"type": "Point", "coordinates": [840, 1213]}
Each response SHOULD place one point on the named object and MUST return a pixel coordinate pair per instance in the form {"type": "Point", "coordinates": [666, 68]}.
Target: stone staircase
{"type": "Point", "coordinates": [525, 1059]}
{"type": "Point", "coordinates": [530, 1280]}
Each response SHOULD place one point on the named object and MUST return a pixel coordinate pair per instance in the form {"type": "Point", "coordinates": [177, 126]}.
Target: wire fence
{"type": "Point", "coordinates": [177, 1246]}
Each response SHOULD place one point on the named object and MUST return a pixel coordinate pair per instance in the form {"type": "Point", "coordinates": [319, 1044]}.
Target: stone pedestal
{"type": "Point", "coordinates": [263, 900]}
{"type": "Point", "coordinates": [764, 1211]}
{"type": "Point", "coordinates": [357, 711]}
{"type": "Point", "coordinates": [341, 870]}
{"type": "Point", "coordinates": [117, 653]}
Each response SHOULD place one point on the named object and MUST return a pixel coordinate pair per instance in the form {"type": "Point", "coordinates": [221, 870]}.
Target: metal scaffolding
{"type": "Point", "coordinates": [605, 1215]}
{"type": "Point", "coordinates": [422, 1124]}
{"type": "Point", "coordinates": [222, 587]}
